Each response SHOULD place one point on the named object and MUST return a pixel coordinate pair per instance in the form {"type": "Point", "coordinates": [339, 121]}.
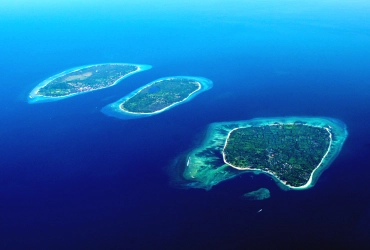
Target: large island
{"type": "Point", "coordinates": [158, 96]}
{"type": "Point", "coordinates": [81, 80]}
{"type": "Point", "coordinates": [294, 151]}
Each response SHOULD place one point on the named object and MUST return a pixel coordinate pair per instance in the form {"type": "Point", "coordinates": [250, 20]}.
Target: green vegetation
{"type": "Point", "coordinates": [289, 151]}
{"type": "Point", "coordinates": [160, 95]}
{"type": "Point", "coordinates": [86, 79]}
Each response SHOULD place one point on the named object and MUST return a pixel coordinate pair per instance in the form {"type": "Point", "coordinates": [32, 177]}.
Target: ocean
{"type": "Point", "coordinates": [74, 178]}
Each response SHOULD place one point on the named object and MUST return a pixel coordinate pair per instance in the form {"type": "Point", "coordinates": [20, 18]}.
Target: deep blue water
{"type": "Point", "coordinates": [73, 178]}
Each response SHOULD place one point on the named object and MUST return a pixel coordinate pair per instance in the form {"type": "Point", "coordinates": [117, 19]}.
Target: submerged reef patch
{"type": "Point", "coordinates": [257, 195]}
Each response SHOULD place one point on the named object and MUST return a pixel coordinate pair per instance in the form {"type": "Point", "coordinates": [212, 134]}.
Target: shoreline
{"type": "Point", "coordinates": [272, 174]}
{"type": "Point", "coordinates": [33, 97]}
{"type": "Point", "coordinates": [114, 109]}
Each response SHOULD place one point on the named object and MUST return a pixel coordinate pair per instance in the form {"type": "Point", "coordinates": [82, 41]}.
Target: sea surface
{"type": "Point", "coordinates": [74, 178]}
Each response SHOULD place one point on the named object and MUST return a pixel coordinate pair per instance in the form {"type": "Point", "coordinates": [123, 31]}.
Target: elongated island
{"type": "Point", "coordinates": [158, 96]}
{"type": "Point", "coordinates": [294, 151]}
{"type": "Point", "coordinates": [82, 79]}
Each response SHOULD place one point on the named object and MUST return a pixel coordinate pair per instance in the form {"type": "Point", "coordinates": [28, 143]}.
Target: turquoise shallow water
{"type": "Point", "coordinates": [74, 178]}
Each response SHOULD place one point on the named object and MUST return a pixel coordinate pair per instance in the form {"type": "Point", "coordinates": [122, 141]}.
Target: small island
{"type": "Point", "coordinates": [81, 80]}
{"type": "Point", "coordinates": [158, 96]}
{"type": "Point", "coordinates": [294, 151]}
